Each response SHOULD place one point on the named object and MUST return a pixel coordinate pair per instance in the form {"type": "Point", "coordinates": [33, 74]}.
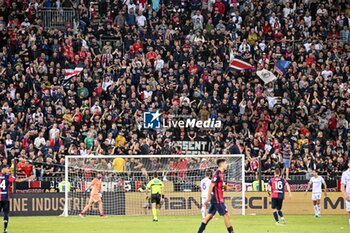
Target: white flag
{"type": "Point", "coordinates": [266, 76]}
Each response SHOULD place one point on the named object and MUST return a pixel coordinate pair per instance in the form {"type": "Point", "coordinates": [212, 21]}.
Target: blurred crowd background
{"type": "Point", "coordinates": [136, 56]}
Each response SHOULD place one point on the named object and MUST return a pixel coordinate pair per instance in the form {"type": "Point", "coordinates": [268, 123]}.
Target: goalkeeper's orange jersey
{"type": "Point", "coordinates": [96, 186]}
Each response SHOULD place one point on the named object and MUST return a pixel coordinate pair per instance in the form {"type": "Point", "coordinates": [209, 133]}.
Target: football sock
{"type": "Point", "coordinates": [318, 209]}
{"type": "Point", "coordinates": [280, 213]}
{"type": "Point", "coordinates": [154, 212]}
{"type": "Point", "coordinates": [315, 209]}
{"type": "Point", "coordinates": [157, 213]}
{"type": "Point", "coordinates": [275, 215]}
{"type": "Point", "coordinates": [202, 227]}
{"type": "Point", "coordinates": [6, 220]}
{"type": "Point", "coordinates": [203, 212]}
{"type": "Point", "coordinates": [230, 229]}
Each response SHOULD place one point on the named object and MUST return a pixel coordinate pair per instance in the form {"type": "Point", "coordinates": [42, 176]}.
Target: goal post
{"type": "Point", "coordinates": [125, 178]}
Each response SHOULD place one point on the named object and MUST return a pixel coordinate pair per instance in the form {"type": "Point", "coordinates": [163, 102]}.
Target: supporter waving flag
{"type": "Point", "coordinates": [69, 73]}
{"type": "Point", "coordinates": [239, 64]}
{"type": "Point", "coordinates": [266, 76]}
{"type": "Point", "coordinates": [281, 66]}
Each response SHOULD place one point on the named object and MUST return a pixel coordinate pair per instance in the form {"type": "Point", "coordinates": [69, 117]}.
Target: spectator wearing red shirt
{"type": "Point", "coordinates": [67, 51]}
{"type": "Point", "coordinates": [310, 59]}
{"type": "Point", "coordinates": [23, 167]}
{"type": "Point", "coordinates": [205, 75]}
{"type": "Point", "coordinates": [278, 36]}
{"type": "Point", "coordinates": [14, 23]}
{"type": "Point", "coordinates": [181, 166]}
{"type": "Point", "coordinates": [333, 35]}
{"type": "Point", "coordinates": [221, 7]}
{"type": "Point", "coordinates": [193, 68]}
{"type": "Point", "coordinates": [151, 55]}
{"type": "Point", "coordinates": [88, 168]}
{"type": "Point", "coordinates": [98, 90]}
{"type": "Point", "coordinates": [77, 117]}
{"type": "Point", "coordinates": [176, 100]}
{"type": "Point", "coordinates": [266, 28]}
{"type": "Point", "coordinates": [304, 131]}
{"type": "Point", "coordinates": [82, 54]}
{"type": "Point", "coordinates": [332, 122]}
{"type": "Point", "coordinates": [137, 45]}
{"type": "Point", "coordinates": [171, 168]}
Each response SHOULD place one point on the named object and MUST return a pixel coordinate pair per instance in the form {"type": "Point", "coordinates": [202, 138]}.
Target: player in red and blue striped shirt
{"type": "Point", "coordinates": [216, 198]}
{"type": "Point", "coordinates": [277, 186]}
{"type": "Point", "coordinates": [6, 179]}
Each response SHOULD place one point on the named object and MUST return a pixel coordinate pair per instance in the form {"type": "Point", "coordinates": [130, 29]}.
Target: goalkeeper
{"type": "Point", "coordinates": [155, 186]}
{"type": "Point", "coordinates": [95, 196]}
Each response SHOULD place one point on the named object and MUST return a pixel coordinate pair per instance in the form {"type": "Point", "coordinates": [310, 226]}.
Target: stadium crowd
{"type": "Point", "coordinates": [174, 55]}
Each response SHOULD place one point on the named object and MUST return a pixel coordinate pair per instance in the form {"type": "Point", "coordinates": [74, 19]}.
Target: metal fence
{"type": "Point", "coordinates": [58, 18]}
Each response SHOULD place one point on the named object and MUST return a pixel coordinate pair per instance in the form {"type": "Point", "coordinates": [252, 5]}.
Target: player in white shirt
{"type": "Point", "coordinates": [345, 188]}
{"type": "Point", "coordinates": [205, 183]}
{"type": "Point", "coordinates": [316, 181]}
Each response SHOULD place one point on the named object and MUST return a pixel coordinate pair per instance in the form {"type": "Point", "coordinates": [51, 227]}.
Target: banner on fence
{"type": "Point", "coordinates": [52, 204]}
{"type": "Point", "coordinates": [176, 203]}
{"type": "Point", "coordinates": [298, 185]}
{"type": "Point", "coordinates": [194, 147]}
{"type": "Point", "coordinates": [187, 203]}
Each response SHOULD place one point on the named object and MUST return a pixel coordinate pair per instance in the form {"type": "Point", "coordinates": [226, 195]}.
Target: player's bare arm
{"type": "Point", "coordinates": [269, 190]}
{"type": "Point", "coordinates": [307, 189]}
{"type": "Point", "coordinates": [162, 196]}
{"type": "Point", "coordinates": [325, 188]}
{"type": "Point", "coordinates": [162, 199]}
{"type": "Point", "coordinates": [210, 190]}
{"type": "Point", "coordinates": [147, 191]}
{"type": "Point", "coordinates": [342, 188]}
{"type": "Point", "coordinates": [289, 190]}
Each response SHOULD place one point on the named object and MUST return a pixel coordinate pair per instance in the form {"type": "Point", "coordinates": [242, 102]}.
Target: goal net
{"type": "Point", "coordinates": [125, 179]}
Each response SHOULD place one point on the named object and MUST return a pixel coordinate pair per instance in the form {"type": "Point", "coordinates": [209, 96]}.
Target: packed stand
{"type": "Point", "coordinates": [142, 55]}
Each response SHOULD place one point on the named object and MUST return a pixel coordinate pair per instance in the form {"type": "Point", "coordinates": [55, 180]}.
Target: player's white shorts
{"type": "Point", "coordinates": [316, 196]}
{"type": "Point", "coordinates": [204, 198]}
{"type": "Point", "coordinates": [347, 206]}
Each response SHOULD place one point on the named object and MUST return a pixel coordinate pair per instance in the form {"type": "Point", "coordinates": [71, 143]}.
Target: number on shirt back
{"type": "Point", "coordinates": [3, 185]}
{"type": "Point", "coordinates": [279, 185]}
{"type": "Point", "coordinates": [204, 187]}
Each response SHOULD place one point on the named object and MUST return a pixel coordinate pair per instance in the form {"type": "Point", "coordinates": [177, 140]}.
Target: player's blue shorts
{"type": "Point", "coordinates": [276, 203]}
{"type": "Point", "coordinates": [220, 208]}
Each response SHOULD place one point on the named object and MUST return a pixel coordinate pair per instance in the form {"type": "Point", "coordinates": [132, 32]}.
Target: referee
{"type": "Point", "coordinates": [156, 188]}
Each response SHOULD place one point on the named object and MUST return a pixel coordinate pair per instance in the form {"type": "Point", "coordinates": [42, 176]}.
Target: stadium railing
{"type": "Point", "coordinates": [58, 18]}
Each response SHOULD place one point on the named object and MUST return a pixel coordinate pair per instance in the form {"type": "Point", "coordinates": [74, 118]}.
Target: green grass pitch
{"type": "Point", "coordinates": [177, 224]}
